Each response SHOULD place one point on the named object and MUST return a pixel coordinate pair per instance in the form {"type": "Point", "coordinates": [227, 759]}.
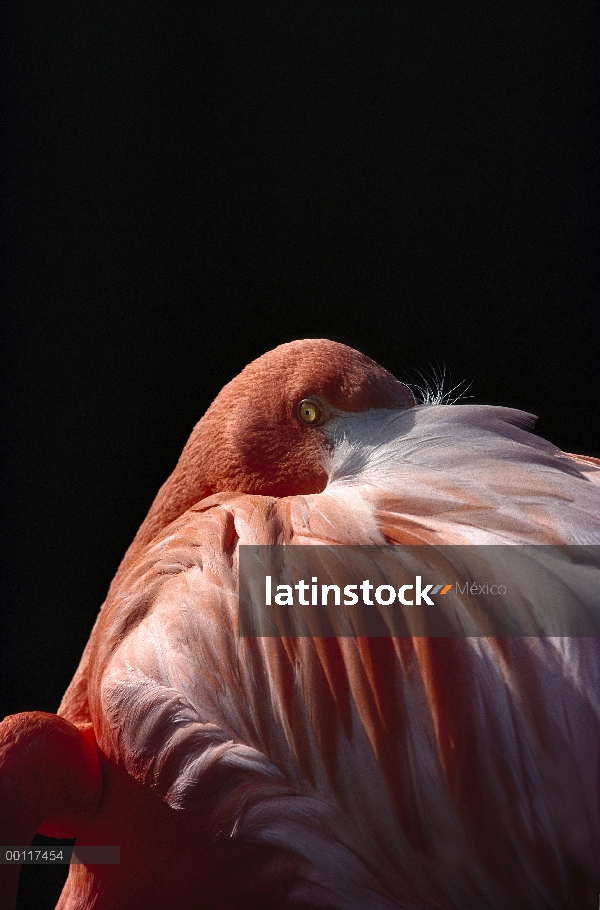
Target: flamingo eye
{"type": "Point", "coordinates": [309, 411]}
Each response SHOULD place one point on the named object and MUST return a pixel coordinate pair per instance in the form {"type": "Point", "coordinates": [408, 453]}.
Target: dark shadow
{"type": "Point", "coordinates": [40, 886]}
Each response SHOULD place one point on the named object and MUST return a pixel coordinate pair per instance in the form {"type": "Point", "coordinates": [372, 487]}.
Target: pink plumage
{"type": "Point", "coordinates": [316, 772]}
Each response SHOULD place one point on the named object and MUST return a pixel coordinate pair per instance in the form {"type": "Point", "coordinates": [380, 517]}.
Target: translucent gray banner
{"type": "Point", "coordinates": [440, 592]}
{"type": "Point", "coordinates": [58, 855]}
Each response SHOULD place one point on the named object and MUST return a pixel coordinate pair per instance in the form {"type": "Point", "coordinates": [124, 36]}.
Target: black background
{"type": "Point", "coordinates": [188, 185]}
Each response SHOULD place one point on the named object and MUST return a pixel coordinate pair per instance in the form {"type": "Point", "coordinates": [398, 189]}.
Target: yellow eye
{"type": "Point", "coordinates": [309, 412]}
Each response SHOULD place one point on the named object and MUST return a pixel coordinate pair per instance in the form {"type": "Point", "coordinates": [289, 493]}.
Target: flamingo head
{"type": "Point", "coordinates": [265, 433]}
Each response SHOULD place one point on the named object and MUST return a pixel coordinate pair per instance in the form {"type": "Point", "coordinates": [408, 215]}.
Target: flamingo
{"type": "Point", "coordinates": [313, 772]}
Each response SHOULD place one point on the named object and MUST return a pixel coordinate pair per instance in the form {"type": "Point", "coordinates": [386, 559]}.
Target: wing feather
{"type": "Point", "coordinates": [380, 761]}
